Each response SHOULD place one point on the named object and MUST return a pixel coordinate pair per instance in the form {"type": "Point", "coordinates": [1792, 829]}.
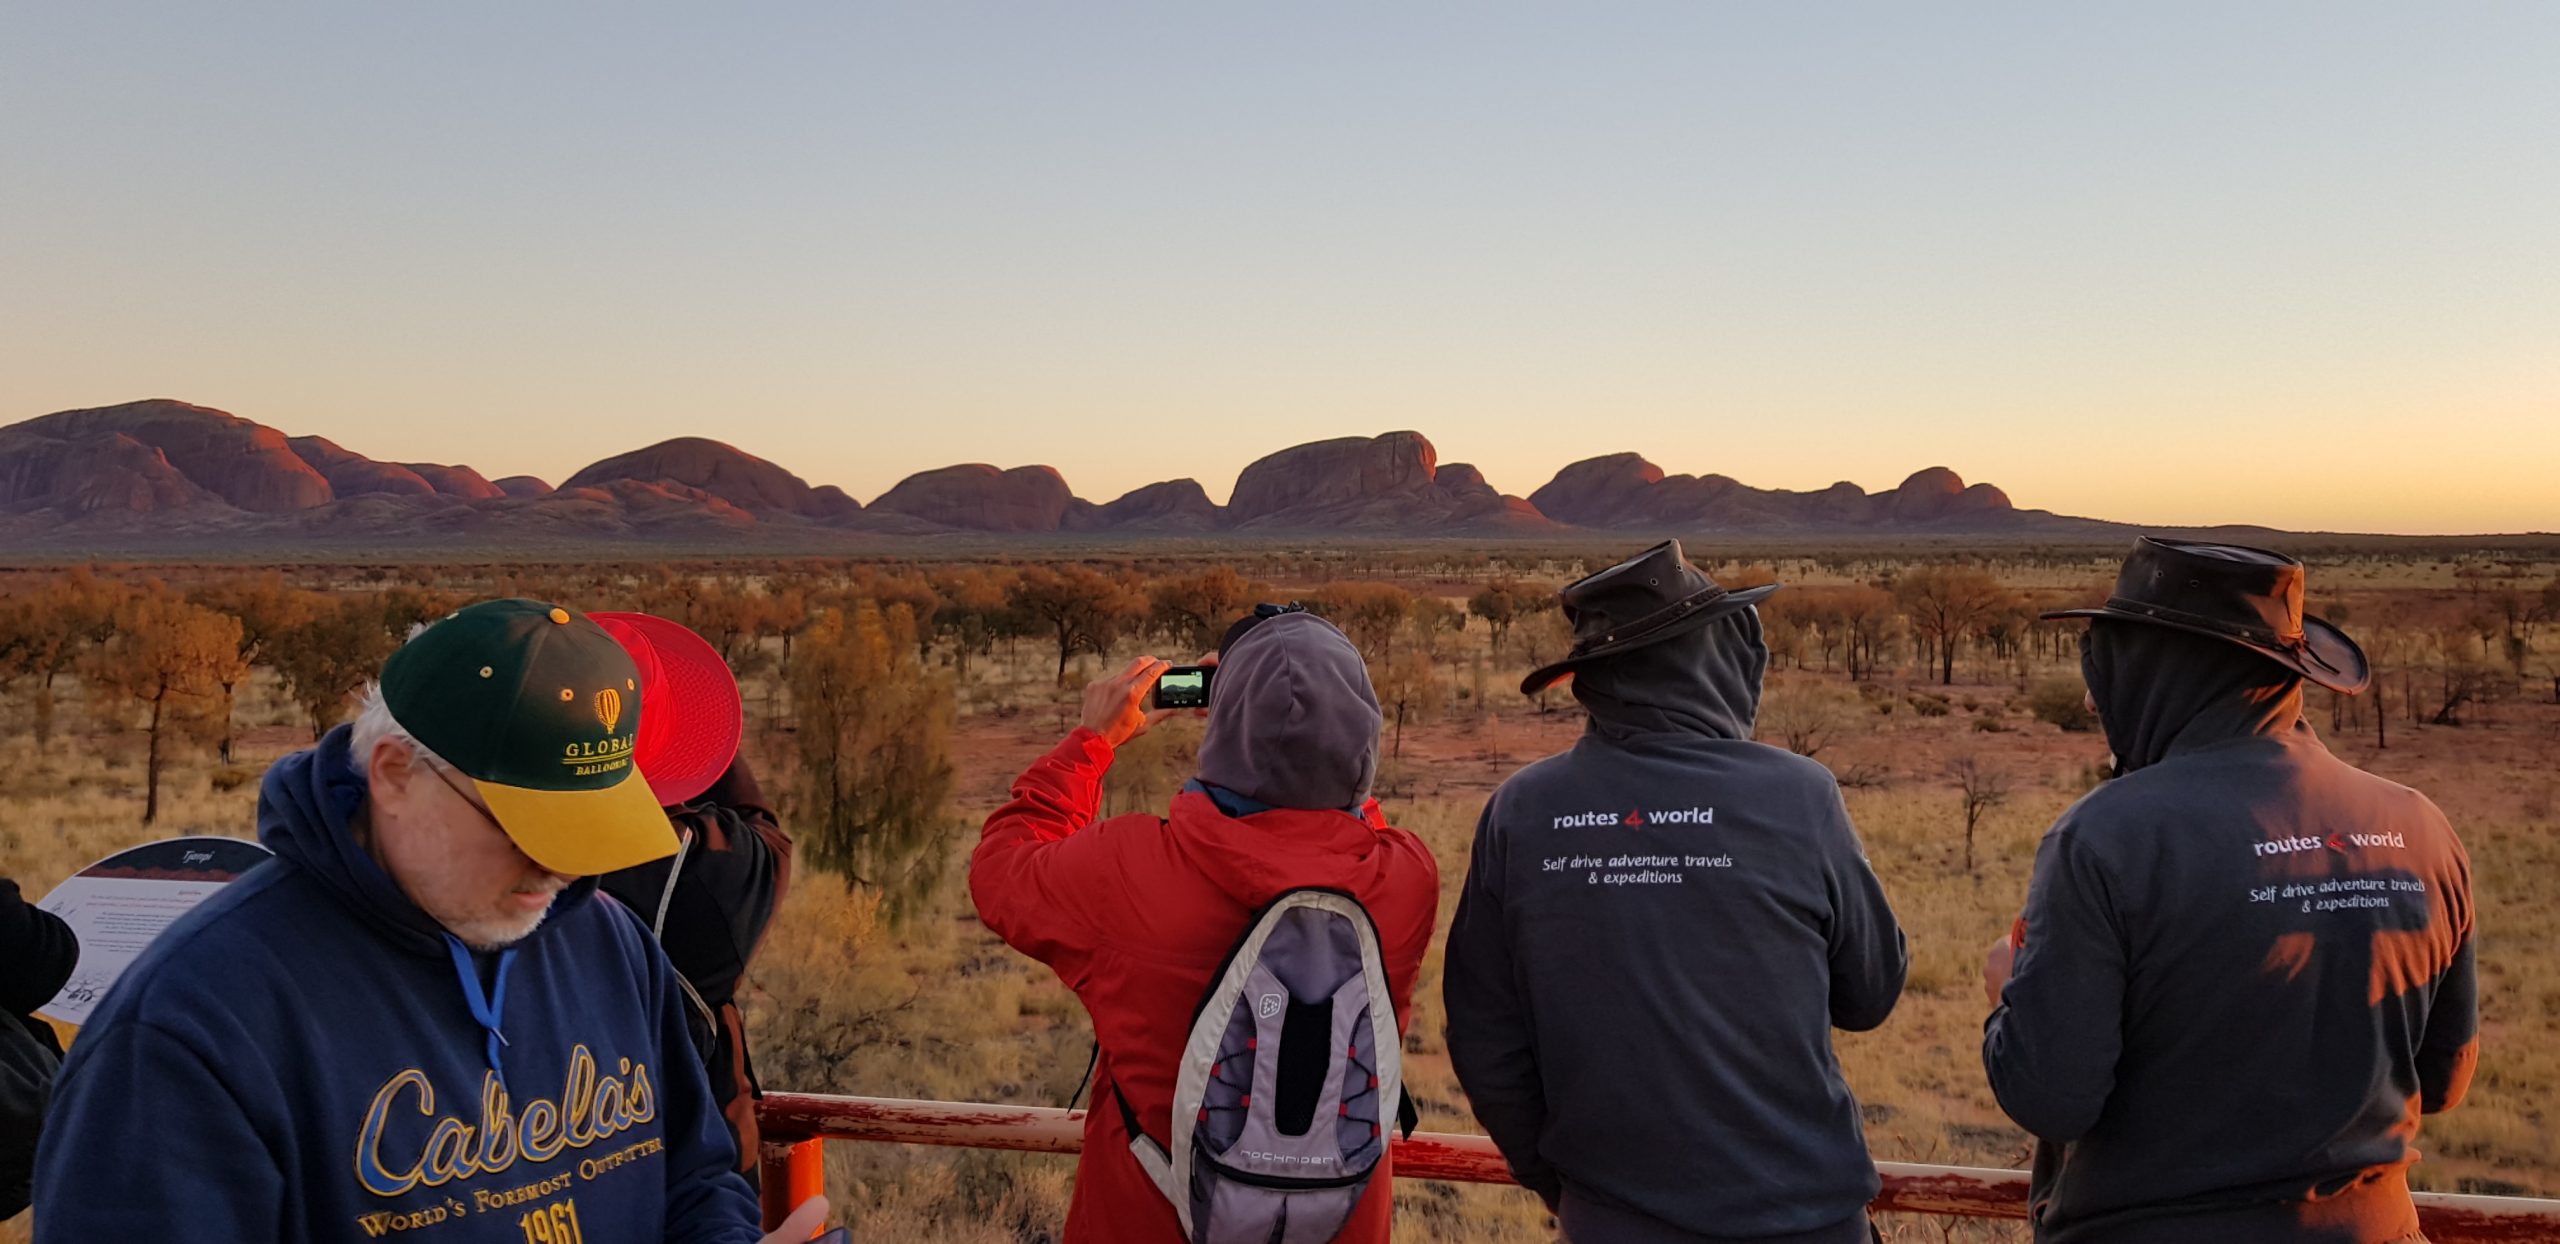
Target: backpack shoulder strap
{"type": "Point", "coordinates": [1151, 1156]}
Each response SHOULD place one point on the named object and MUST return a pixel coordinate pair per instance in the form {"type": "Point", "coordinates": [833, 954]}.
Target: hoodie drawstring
{"type": "Point", "coordinates": [488, 1008]}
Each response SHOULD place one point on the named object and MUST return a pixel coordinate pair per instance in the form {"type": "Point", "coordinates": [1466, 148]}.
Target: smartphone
{"type": "Point", "coordinates": [837, 1236]}
{"type": "Point", "coordinates": [1184, 686]}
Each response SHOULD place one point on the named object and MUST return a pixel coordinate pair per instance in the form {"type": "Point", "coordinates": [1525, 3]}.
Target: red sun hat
{"type": "Point", "coordinates": [691, 715]}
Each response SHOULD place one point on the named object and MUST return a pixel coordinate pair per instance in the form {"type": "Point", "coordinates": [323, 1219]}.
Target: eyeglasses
{"type": "Point", "coordinates": [479, 809]}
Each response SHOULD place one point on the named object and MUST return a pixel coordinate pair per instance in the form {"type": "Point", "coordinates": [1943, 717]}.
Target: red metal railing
{"type": "Point", "coordinates": [798, 1125]}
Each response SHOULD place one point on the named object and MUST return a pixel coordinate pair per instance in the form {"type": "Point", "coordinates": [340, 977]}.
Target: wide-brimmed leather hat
{"type": "Point", "coordinates": [2247, 596]}
{"type": "Point", "coordinates": [1653, 596]}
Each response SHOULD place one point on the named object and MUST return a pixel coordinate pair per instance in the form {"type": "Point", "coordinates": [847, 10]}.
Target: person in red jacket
{"type": "Point", "coordinates": [1136, 913]}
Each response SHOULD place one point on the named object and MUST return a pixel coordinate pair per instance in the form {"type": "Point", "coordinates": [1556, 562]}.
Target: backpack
{"type": "Point", "coordinates": [27, 1068]}
{"type": "Point", "coordinates": [1278, 1105]}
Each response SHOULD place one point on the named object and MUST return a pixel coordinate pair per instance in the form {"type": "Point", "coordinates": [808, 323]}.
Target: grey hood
{"type": "Point", "coordinates": [1293, 721]}
{"type": "Point", "coordinates": [1704, 682]}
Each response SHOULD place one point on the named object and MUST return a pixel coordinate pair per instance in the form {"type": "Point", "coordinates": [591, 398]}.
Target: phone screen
{"type": "Point", "coordinates": [1184, 686]}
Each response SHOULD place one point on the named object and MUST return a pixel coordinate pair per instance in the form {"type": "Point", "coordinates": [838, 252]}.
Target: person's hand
{"type": "Point", "coordinates": [803, 1222]}
{"type": "Point", "coordinates": [1116, 707]}
{"type": "Point", "coordinates": [1996, 965]}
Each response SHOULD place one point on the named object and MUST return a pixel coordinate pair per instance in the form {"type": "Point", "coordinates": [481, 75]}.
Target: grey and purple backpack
{"type": "Point", "coordinates": [1279, 1114]}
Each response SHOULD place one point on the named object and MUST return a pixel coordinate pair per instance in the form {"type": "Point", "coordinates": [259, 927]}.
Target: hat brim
{"type": "Point", "coordinates": [696, 687]}
{"type": "Point", "coordinates": [1547, 675]}
{"type": "Point", "coordinates": [583, 833]}
{"type": "Point", "coordinates": [2328, 656]}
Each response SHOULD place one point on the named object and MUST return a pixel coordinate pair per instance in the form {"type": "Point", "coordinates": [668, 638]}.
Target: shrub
{"type": "Point", "coordinates": [2060, 701]}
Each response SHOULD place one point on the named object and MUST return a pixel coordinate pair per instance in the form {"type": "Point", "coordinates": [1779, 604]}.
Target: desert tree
{"type": "Point", "coordinates": [1867, 617]}
{"type": "Point", "coordinates": [1543, 637]}
{"type": "Point", "coordinates": [2465, 679]}
{"type": "Point", "coordinates": [267, 611]}
{"type": "Point", "coordinates": [1982, 788]}
{"type": "Point", "coordinates": [405, 608]}
{"type": "Point", "coordinates": [168, 655]}
{"type": "Point", "coordinates": [1192, 611]}
{"type": "Point", "coordinates": [1826, 624]}
{"type": "Point", "coordinates": [1081, 608]}
{"type": "Point", "coordinates": [1946, 605]}
{"type": "Point", "coordinates": [784, 611]}
{"type": "Point", "coordinates": [52, 628]}
{"type": "Point", "coordinates": [1371, 613]}
{"type": "Point", "coordinates": [873, 741]}
{"type": "Point", "coordinates": [336, 644]}
{"type": "Point", "coordinates": [975, 612]}
{"type": "Point", "coordinates": [1504, 601]}
{"type": "Point", "coordinates": [1807, 715]}
{"type": "Point", "coordinates": [1407, 677]}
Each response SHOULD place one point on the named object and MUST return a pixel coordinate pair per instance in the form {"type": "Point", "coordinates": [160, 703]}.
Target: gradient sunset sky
{"type": "Point", "coordinates": [2295, 264]}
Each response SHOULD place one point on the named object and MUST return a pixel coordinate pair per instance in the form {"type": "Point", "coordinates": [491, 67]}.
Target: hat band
{"type": "Point", "coordinates": [1658, 618]}
{"type": "Point", "coordinates": [2255, 633]}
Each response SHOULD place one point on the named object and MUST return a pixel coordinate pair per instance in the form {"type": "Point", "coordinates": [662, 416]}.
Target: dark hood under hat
{"type": "Point", "coordinates": [1293, 721]}
{"type": "Point", "coordinates": [2161, 689]}
{"type": "Point", "coordinates": [1653, 597]}
{"type": "Point", "coordinates": [1703, 681]}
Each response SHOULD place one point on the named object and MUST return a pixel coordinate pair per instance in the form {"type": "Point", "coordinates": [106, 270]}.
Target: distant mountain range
{"type": "Point", "coordinates": [167, 476]}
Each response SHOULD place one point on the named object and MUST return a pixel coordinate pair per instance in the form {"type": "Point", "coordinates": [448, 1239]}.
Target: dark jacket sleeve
{"type": "Point", "coordinates": [1491, 1046]}
{"type": "Point", "coordinates": [2451, 1047]}
{"type": "Point", "coordinates": [137, 1099]}
{"type": "Point", "coordinates": [37, 953]}
{"type": "Point", "coordinates": [1869, 959]}
{"type": "Point", "coordinates": [1035, 871]}
{"type": "Point", "coordinates": [2050, 1047]}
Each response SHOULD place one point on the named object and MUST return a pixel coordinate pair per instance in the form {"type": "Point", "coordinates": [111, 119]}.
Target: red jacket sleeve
{"type": "Point", "coordinates": [1035, 875]}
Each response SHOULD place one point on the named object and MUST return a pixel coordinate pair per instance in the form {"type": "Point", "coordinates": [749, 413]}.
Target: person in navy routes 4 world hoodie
{"type": "Point", "coordinates": [419, 1021]}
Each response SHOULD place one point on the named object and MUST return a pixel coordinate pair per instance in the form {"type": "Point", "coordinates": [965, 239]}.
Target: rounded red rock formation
{"type": "Point", "coordinates": [351, 474]}
{"type": "Point", "coordinates": [456, 481]}
{"type": "Point", "coordinates": [977, 497]}
{"type": "Point", "coordinates": [1599, 492]}
{"type": "Point", "coordinates": [1346, 470]}
{"type": "Point", "coordinates": [245, 464]}
{"type": "Point", "coordinates": [1174, 505]}
{"type": "Point", "coordinates": [107, 473]}
{"type": "Point", "coordinates": [739, 478]}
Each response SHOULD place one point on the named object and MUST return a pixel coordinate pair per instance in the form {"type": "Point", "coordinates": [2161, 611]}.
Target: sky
{"type": "Point", "coordinates": [2293, 264]}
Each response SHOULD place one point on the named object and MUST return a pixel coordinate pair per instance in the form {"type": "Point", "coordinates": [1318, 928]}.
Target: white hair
{"type": "Point", "coordinates": [374, 723]}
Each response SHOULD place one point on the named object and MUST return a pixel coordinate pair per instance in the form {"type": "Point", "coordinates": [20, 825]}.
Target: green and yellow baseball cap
{"type": "Point", "coordinates": [540, 708]}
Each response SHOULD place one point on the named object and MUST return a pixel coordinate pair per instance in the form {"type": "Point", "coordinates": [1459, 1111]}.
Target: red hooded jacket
{"type": "Point", "coordinates": [1136, 914]}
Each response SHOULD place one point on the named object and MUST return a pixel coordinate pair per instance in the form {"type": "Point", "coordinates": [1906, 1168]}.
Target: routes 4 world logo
{"type": "Point", "coordinates": [2334, 842]}
{"type": "Point", "coordinates": [1636, 818]}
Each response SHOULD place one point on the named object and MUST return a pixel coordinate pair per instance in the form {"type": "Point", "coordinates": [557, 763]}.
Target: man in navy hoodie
{"type": "Point", "coordinates": [418, 1021]}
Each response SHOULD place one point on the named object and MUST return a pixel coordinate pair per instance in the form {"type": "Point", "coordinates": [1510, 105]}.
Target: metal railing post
{"type": "Point", "coordinates": [791, 1171]}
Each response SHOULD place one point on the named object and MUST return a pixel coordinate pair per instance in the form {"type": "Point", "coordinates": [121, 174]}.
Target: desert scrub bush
{"type": "Point", "coordinates": [2062, 702]}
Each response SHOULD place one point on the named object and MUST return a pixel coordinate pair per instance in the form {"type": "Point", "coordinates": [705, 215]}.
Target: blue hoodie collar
{"type": "Point", "coordinates": [1237, 807]}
